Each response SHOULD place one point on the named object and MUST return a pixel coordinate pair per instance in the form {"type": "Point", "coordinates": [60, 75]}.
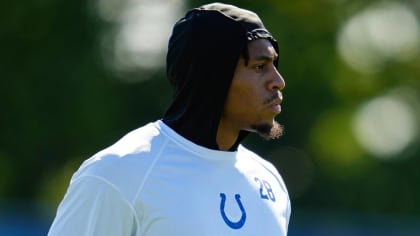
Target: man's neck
{"type": "Point", "coordinates": [226, 136]}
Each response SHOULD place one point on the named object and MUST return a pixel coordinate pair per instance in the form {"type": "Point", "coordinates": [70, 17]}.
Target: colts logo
{"type": "Point", "coordinates": [233, 225]}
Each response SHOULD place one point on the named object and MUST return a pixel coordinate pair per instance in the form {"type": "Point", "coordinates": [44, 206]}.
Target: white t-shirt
{"type": "Point", "coordinates": [155, 182]}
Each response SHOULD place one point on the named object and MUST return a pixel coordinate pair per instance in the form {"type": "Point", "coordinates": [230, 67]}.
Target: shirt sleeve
{"type": "Point", "coordinates": [92, 206]}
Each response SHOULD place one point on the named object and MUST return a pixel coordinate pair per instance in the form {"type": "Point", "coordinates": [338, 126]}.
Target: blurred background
{"type": "Point", "coordinates": [77, 75]}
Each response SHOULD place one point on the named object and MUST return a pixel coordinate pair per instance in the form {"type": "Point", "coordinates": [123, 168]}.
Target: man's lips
{"type": "Point", "coordinates": [274, 102]}
{"type": "Point", "coordinates": [275, 106]}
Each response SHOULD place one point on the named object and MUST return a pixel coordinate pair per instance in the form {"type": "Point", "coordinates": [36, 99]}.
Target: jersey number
{"type": "Point", "coordinates": [266, 192]}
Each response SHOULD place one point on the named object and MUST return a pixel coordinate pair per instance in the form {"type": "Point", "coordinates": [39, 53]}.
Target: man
{"type": "Point", "coordinates": [188, 174]}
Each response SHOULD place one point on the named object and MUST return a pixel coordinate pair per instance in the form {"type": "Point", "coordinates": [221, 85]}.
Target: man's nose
{"type": "Point", "coordinates": [277, 82]}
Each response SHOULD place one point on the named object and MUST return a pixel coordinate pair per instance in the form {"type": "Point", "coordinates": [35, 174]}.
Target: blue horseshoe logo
{"type": "Point", "coordinates": [233, 225]}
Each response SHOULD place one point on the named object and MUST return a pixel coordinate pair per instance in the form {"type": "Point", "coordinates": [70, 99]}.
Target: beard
{"type": "Point", "coordinates": [269, 131]}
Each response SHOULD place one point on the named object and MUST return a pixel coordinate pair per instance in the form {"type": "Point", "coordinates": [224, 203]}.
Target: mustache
{"type": "Point", "coordinates": [272, 98]}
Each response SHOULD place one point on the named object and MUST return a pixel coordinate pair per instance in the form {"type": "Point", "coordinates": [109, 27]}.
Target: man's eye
{"type": "Point", "coordinates": [259, 67]}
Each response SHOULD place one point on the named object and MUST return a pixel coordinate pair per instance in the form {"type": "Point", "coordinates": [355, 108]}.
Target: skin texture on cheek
{"type": "Point", "coordinates": [241, 104]}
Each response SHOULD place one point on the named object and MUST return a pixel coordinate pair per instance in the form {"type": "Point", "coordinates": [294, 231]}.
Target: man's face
{"type": "Point", "coordinates": [254, 97]}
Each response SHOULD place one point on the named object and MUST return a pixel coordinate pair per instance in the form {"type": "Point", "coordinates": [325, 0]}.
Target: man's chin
{"type": "Point", "coordinates": [269, 131]}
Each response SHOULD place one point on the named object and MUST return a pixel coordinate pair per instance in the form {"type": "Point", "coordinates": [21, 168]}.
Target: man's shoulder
{"type": "Point", "coordinates": [126, 162]}
{"type": "Point", "coordinates": [254, 157]}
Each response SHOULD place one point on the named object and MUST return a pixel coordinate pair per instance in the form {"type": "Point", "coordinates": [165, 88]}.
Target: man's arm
{"type": "Point", "coordinates": [92, 206]}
